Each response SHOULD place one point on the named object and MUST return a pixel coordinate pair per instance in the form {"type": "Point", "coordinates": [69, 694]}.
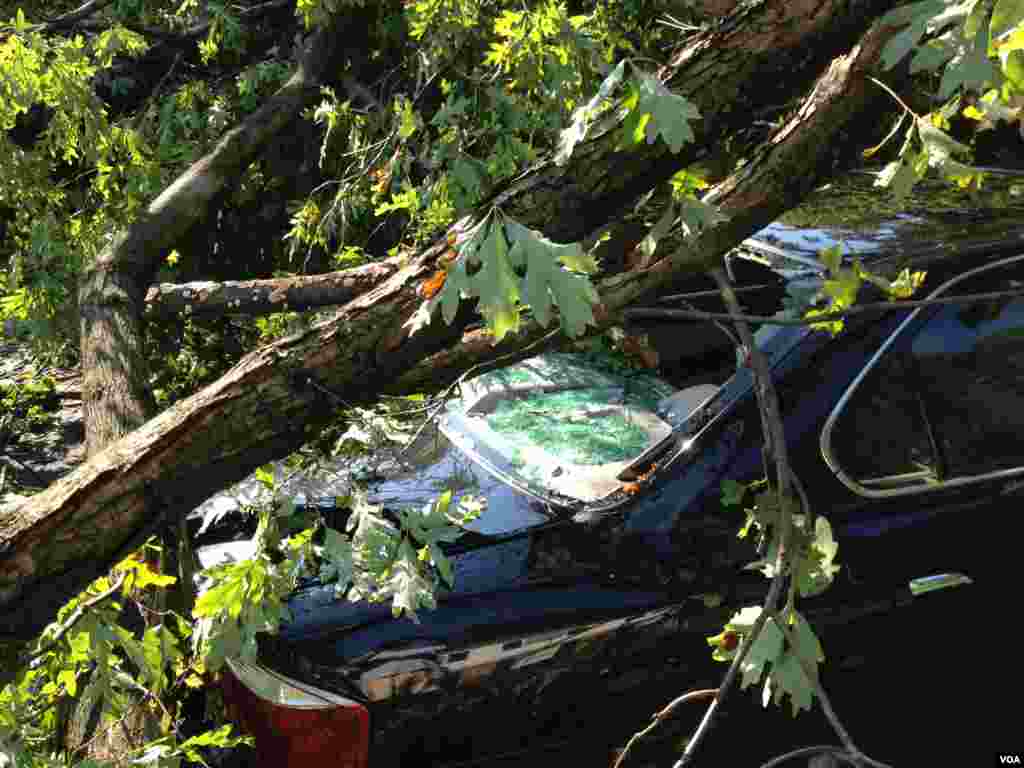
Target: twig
{"type": "Point", "coordinates": [879, 306]}
{"type": "Point", "coordinates": [661, 715]}
{"type": "Point", "coordinates": [826, 705]}
{"type": "Point", "coordinates": [77, 15]}
{"type": "Point", "coordinates": [156, 91]}
{"type": "Point", "coordinates": [712, 292]}
{"type": "Point", "coordinates": [809, 523]}
{"type": "Point", "coordinates": [775, 446]}
{"type": "Point", "coordinates": [77, 614]}
{"type": "Point", "coordinates": [820, 749]}
{"type": "Point", "coordinates": [892, 93]}
{"type": "Point", "coordinates": [723, 690]}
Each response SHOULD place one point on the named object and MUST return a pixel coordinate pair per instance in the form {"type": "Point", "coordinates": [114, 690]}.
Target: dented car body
{"type": "Point", "coordinates": [605, 546]}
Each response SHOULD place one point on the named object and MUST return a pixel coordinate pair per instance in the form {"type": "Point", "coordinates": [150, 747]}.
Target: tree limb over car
{"type": "Point", "coordinates": [52, 546]}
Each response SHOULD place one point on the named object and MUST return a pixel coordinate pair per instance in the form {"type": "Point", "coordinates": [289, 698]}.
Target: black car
{"type": "Point", "coordinates": [605, 542]}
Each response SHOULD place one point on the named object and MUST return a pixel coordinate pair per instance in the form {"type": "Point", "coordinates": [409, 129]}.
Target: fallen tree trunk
{"type": "Point", "coordinates": [729, 72]}
{"type": "Point", "coordinates": [741, 62]}
{"type": "Point", "coordinates": [58, 541]}
{"type": "Point", "coordinates": [115, 391]}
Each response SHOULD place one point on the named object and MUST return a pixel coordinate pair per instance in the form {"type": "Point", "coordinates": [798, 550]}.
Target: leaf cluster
{"type": "Point", "coordinates": [507, 266]}
{"type": "Point", "coordinates": [975, 51]}
{"type": "Point", "coordinates": [88, 655]}
{"type": "Point", "coordinates": [26, 405]}
{"type": "Point", "coordinates": [398, 559]}
{"type": "Point", "coordinates": [786, 657]}
{"type": "Point", "coordinates": [787, 668]}
{"type": "Point", "coordinates": [840, 289]}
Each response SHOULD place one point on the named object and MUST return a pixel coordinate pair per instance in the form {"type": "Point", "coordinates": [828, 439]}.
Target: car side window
{"type": "Point", "coordinates": [971, 363]}
{"type": "Point", "coordinates": [943, 404]}
{"type": "Point", "coordinates": [882, 436]}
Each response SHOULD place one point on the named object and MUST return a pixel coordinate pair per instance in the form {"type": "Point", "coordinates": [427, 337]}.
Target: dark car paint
{"type": "Point", "coordinates": [546, 621]}
{"type": "Point", "coordinates": [567, 599]}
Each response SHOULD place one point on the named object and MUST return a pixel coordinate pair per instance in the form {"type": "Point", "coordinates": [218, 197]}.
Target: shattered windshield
{"type": "Point", "coordinates": [581, 426]}
{"type": "Point", "coordinates": [560, 424]}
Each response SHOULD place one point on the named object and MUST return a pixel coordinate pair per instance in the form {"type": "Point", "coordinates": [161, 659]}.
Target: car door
{"type": "Point", "coordinates": [927, 442]}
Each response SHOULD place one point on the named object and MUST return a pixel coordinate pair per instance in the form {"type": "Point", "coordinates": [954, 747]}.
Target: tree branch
{"type": "Point", "coordinates": [191, 33]}
{"type": "Point", "coordinates": [58, 541]}
{"type": "Point", "coordinates": [822, 749]}
{"type": "Point", "coordinates": [826, 705]}
{"type": "Point", "coordinates": [73, 17]}
{"type": "Point", "coordinates": [880, 306]}
{"type": "Point", "coordinates": [78, 613]}
{"type": "Point", "coordinates": [115, 389]}
{"type": "Point", "coordinates": [661, 715]}
{"type": "Point", "coordinates": [259, 297]}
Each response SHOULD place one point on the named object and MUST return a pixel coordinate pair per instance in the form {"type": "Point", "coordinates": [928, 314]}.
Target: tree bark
{"type": "Point", "coordinates": [115, 391]}
{"type": "Point", "coordinates": [260, 297]}
{"type": "Point", "coordinates": [58, 541]}
{"type": "Point", "coordinates": [744, 67]}
{"type": "Point", "coordinates": [731, 72]}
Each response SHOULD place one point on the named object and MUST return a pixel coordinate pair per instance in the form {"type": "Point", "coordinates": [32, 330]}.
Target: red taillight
{"type": "Point", "coordinates": [295, 725]}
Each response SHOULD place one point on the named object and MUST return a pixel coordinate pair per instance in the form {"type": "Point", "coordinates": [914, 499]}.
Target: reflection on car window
{"type": "Point", "coordinates": [882, 432]}
{"type": "Point", "coordinates": [971, 359]}
{"type": "Point", "coordinates": [945, 402]}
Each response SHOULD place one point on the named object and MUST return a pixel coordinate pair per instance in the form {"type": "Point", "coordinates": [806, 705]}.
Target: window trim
{"type": "Point", "coordinates": [825, 440]}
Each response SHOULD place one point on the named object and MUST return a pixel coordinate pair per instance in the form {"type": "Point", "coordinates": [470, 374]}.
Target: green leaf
{"type": "Point", "coordinates": [408, 119]}
{"type": "Point", "coordinates": [468, 176]}
{"type": "Point", "coordinates": [906, 284]}
{"type": "Point", "coordinates": [1013, 68]}
{"type": "Point", "coordinates": [573, 294]}
{"type": "Point", "coordinates": [931, 56]}
{"type": "Point", "coordinates": [790, 672]}
{"type": "Point", "coordinates": [900, 176]}
{"type": "Point", "coordinates": [670, 114]}
{"type": "Point", "coordinates": [661, 228]}
{"type": "Point", "coordinates": [410, 588]}
{"type": "Point", "coordinates": [336, 560]}
{"type": "Point", "coordinates": [453, 109]}
{"type": "Point", "coordinates": [583, 116]}
{"type": "Point", "coordinates": [939, 144]}
{"type": "Point", "coordinates": [222, 738]}
{"type": "Point", "coordinates": [766, 649]}
{"type": "Point", "coordinates": [916, 16]}
{"type": "Point", "coordinates": [1006, 15]}
{"type": "Point", "coordinates": [160, 648]}
{"type": "Point", "coordinates": [69, 679]}
{"type": "Point", "coordinates": [547, 280]}
{"type": "Point", "coordinates": [816, 569]}
{"type": "Point", "coordinates": [843, 288]}
{"type": "Point", "coordinates": [969, 68]}
{"type": "Point", "coordinates": [497, 286]}
{"type": "Point", "coordinates": [687, 183]}
{"type": "Point", "coordinates": [265, 476]}
{"type": "Point", "coordinates": [695, 216]}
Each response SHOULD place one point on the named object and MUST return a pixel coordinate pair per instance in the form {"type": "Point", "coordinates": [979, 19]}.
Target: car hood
{"type": "Point", "coordinates": [870, 224]}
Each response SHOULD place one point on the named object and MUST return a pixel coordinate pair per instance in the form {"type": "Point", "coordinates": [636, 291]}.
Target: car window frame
{"type": "Point", "coordinates": [825, 439]}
